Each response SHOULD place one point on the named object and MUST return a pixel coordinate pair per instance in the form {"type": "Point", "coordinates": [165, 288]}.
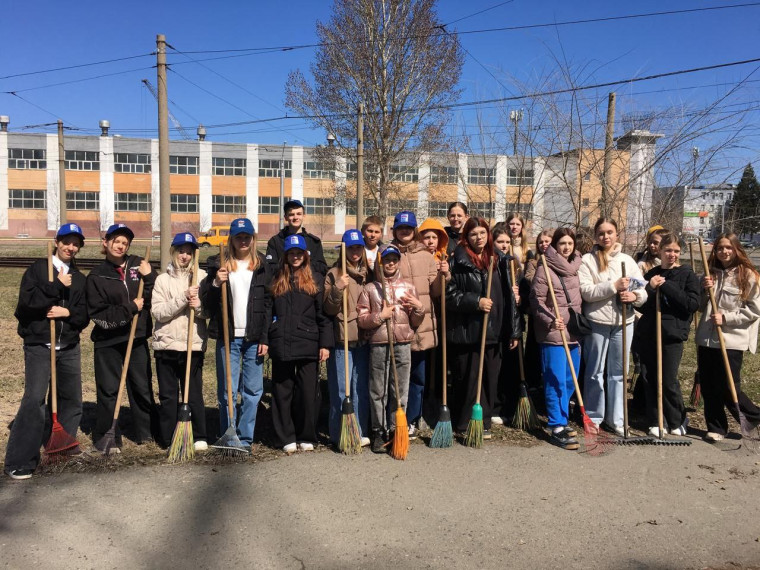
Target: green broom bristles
{"type": "Point", "coordinates": [182, 448]}
{"type": "Point", "coordinates": [474, 436]}
{"type": "Point", "coordinates": [350, 437]}
{"type": "Point", "coordinates": [525, 417]}
{"type": "Point", "coordinates": [443, 435]}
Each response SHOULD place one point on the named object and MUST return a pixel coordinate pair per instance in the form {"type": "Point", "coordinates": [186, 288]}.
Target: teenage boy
{"type": "Point", "coordinates": [294, 215]}
{"type": "Point", "coordinates": [39, 300]}
{"type": "Point", "coordinates": [372, 231]}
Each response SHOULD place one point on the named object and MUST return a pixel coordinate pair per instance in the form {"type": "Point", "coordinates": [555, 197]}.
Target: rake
{"type": "Point", "coordinates": [350, 436]}
{"type": "Point", "coordinates": [443, 434]}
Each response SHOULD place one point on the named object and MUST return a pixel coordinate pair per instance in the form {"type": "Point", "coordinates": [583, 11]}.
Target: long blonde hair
{"type": "Point", "coordinates": [231, 261]}
{"type": "Point", "coordinates": [741, 260]}
{"type": "Point", "coordinates": [602, 257]}
{"type": "Point", "coordinates": [524, 249]}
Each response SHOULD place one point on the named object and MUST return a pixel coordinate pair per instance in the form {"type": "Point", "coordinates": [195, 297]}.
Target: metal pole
{"type": "Point", "coordinates": [360, 167]}
{"type": "Point", "coordinates": [608, 141]}
{"type": "Point", "coordinates": [163, 153]}
{"type": "Point", "coordinates": [61, 176]}
{"type": "Point", "coordinates": [282, 186]}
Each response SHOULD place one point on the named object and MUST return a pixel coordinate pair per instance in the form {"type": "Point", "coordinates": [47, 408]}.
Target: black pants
{"type": "Point", "coordinates": [31, 427]}
{"type": "Point", "coordinates": [109, 361]}
{"type": "Point", "coordinates": [465, 359]}
{"type": "Point", "coordinates": [673, 410]}
{"type": "Point", "coordinates": [715, 392]}
{"type": "Point", "coordinates": [170, 371]}
{"type": "Point", "coordinates": [508, 385]}
{"type": "Point", "coordinates": [295, 401]}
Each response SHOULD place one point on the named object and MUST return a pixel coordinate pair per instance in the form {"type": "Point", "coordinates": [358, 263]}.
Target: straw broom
{"type": "Point", "coordinates": [350, 436]}
{"type": "Point", "coordinates": [474, 435]}
{"type": "Point", "coordinates": [443, 434]}
{"type": "Point", "coordinates": [60, 443]}
{"type": "Point", "coordinates": [107, 442]}
{"type": "Point", "coordinates": [182, 448]}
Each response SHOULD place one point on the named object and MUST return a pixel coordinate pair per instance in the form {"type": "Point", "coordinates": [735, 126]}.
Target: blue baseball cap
{"type": "Point", "coordinates": [295, 241]}
{"type": "Point", "coordinates": [290, 204]}
{"type": "Point", "coordinates": [120, 229]}
{"type": "Point", "coordinates": [390, 249]}
{"type": "Point", "coordinates": [405, 218]}
{"type": "Point", "coordinates": [352, 237]}
{"type": "Point", "coordinates": [241, 226]}
{"type": "Point", "coordinates": [185, 238]}
{"type": "Point", "coordinates": [69, 230]}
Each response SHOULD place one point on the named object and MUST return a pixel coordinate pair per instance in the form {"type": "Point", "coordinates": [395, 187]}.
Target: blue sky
{"type": "Point", "coordinates": [54, 34]}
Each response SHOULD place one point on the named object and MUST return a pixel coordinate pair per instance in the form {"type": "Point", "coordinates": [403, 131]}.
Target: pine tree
{"type": "Point", "coordinates": [745, 205]}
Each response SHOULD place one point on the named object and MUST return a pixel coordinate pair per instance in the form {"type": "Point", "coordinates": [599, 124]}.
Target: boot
{"type": "Point", "coordinates": [378, 445]}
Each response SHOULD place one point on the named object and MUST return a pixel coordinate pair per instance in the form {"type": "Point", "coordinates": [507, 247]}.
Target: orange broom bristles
{"type": "Point", "coordinates": [400, 444]}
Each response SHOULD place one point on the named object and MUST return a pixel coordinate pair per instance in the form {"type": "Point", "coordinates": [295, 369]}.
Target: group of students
{"type": "Point", "coordinates": [288, 305]}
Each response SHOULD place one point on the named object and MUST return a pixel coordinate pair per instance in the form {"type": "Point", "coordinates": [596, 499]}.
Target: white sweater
{"type": "Point", "coordinates": [598, 287]}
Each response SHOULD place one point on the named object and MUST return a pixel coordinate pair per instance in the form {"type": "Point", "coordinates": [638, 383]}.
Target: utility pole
{"type": "Point", "coordinates": [608, 141]}
{"type": "Point", "coordinates": [165, 224]}
{"type": "Point", "coordinates": [515, 117]}
{"type": "Point", "coordinates": [61, 176]}
{"type": "Point", "coordinates": [282, 186]}
{"type": "Point", "coordinates": [360, 167]}
{"type": "Point", "coordinates": [694, 157]}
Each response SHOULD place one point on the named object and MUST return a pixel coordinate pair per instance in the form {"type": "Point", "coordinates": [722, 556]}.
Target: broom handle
{"type": "Point", "coordinates": [658, 314]}
{"type": "Point", "coordinates": [482, 356]}
{"type": "Point", "coordinates": [721, 340]}
{"type": "Point", "coordinates": [562, 334]}
{"type": "Point", "coordinates": [520, 362]}
{"type": "Point", "coordinates": [389, 332]}
{"type": "Point", "coordinates": [190, 325]}
{"type": "Point", "coordinates": [443, 337]}
{"type": "Point", "coordinates": [226, 334]}
{"type": "Point", "coordinates": [130, 342]}
{"type": "Point", "coordinates": [345, 320]}
{"type": "Point", "coordinates": [53, 373]}
{"type": "Point", "coordinates": [624, 310]}
{"type": "Point", "coordinates": [693, 268]}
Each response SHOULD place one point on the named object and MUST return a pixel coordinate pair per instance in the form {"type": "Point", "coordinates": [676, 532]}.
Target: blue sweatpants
{"type": "Point", "coordinates": [558, 381]}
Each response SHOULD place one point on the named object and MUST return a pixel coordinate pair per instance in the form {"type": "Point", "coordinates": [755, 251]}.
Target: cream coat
{"type": "Point", "coordinates": [169, 308]}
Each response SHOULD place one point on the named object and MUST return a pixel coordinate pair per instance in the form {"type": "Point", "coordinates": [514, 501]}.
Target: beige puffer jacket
{"type": "Point", "coordinates": [370, 304]}
{"type": "Point", "coordinates": [169, 308]}
{"type": "Point", "coordinates": [333, 305]}
{"type": "Point", "coordinates": [742, 318]}
{"type": "Point", "coordinates": [418, 265]}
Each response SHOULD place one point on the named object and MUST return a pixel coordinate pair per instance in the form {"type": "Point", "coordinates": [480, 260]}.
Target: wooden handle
{"type": "Point", "coordinates": [562, 332]}
{"type": "Point", "coordinates": [624, 311]}
{"type": "Point", "coordinates": [226, 336]}
{"type": "Point", "coordinates": [130, 342]}
{"type": "Point", "coordinates": [389, 330]}
{"type": "Point", "coordinates": [520, 361]}
{"type": "Point", "coordinates": [658, 331]}
{"type": "Point", "coordinates": [721, 340]}
{"type": "Point", "coordinates": [190, 330]}
{"type": "Point", "coordinates": [483, 333]}
{"type": "Point", "coordinates": [345, 320]}
{"type": "Point", "coordinates": [443, 338]}
{"type": "Point", "coordinates": [693, 268]}
{"type": "Point", "coordinates": [53, 372]}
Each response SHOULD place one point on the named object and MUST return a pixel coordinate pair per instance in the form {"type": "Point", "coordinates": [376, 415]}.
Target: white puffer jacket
{"type": "Point", "coordinates": [600, 302]}
{"type": "Point", "coordinates": [169, 308]}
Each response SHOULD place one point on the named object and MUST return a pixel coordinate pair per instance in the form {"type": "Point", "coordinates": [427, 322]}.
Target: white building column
{"type": "Point", "coordinates": [53, 183]}
{"type": "Point", "coordinates": [541, 175]}
{"type": "Point", "coordinates": [339, 208]}
{"type": "Point", "coordinates": [252, 184]}
{"type": "Point", "coordinates": [4, 194]}
{"type": "Point", "coordinates": [155, 189]}
{"type": "Point", "coordinates": [462, 178]}
{"type": "Point", "coordinates": [500, 205]}
{"type": "Point", "coordinates": [107, 199]}
{"type": "Point", "coordinates": [423, 187]}
{"type": "Point", "coordinates": [204, 185]}
{"type": "Point", "coordinates": [296, 173]}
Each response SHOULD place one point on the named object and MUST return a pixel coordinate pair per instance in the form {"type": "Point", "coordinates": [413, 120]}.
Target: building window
{"type": "Point", "coordinates": [82, 160]}
{"type": "Point", "coordinates": [184, 203]}
{"type": "Point", "coordinates": [319, 206]}
{"type": "Point", "coordinates": [271, 168]}
{"type": "Point", "coordinates": [78, 200]}
{"type": "Point", "coordinates": [228, 166]}
{"type": "Point", "coordinates": [481, 209]}
{"type": "Point", "coordinates": [183, 165]}
{"type": "Point", "coordinates": [481, 175]}
{"type": "Point", "coordinates": [587, 176]}
{"type": "Point", "coordinates": [370, 207]}
{"type": "Point", "coordinates": [444, 174]}
{"type": "Point", "coordinates": [351, 169]}
{"type": "Point", "coordinates": [514, 179]}
{"type": "Point", "coordinates": [228, 204]}
{"type": "Point", "coordinates": [403, 173]}
{"type": "Point", "coordinates": [131, 202]}
{"type": "Point", "coordinates": [27, 199]}
{"type": "Point", "coordinates": [270, 204]}
{"type": "Point", "coordinates": [131, 163]}
{"type": "Point", "coordinates": [312, 169]}
{"type": "Point", "coordinates": [585, 202]}
{"type": "Point", "coordinates": [438, 209]}
{"type": "Point", "coordinates": [525, 210]}
{"type": "Point", "coordinates": [27, 158]}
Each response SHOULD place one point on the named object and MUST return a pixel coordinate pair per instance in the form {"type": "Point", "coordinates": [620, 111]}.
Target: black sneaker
{"type": "Point", "coordinates": [561, 439]}
{"type": "Point", "coordinates": [570, 432]}
{"type": "Point", "coordinates": [19, 474]}
{"type": "Point", "coordinates": [378, 445]}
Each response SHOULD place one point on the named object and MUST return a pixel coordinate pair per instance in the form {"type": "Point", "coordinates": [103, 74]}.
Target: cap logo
{"type": "Point", "coordinates": [188, 237]}
{"type": "Point", "coordinates": [73, 228]}
{"type": "Point", "coordinates": [241, 223]}
{"type": "Point", "coordinates": [404, 217]}
{"type": "Point", "coordinates": [354, 235]}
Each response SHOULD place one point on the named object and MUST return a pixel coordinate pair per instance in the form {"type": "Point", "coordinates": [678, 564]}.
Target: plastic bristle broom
{"type": "Point", "coordinates": [350, 435]}
{"type": "Point", "coordinates": [443, 434]}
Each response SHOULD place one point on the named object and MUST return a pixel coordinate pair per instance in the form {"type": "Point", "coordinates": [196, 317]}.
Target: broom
{"type": "Point", "coordinates": [749, 429]}
{"type": "Point", "coordinates": [525, 417]}
{"type": "Point", "coordinates": [350, 436]}
{"type": "Point", "coordinates": [182, 448]}
{"type": "Point", "coordinates": [474, 435]}
{"type": "Point", "coordinates": [696, 390]}
{"type": "Point", "coordinates": [229, 445]}
{"type": "Point", "coordinates": [443, 434]}
{"type": "Point", "coordinates": [107, 442]}
{"type": "Point", "coordinates": [60, 443]}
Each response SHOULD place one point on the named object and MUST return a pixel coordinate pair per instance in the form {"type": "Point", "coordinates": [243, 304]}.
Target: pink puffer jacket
{"type": "Point", "coordinates": [370, 304]}
{"type": "Point", "coordinates": [541, 303]}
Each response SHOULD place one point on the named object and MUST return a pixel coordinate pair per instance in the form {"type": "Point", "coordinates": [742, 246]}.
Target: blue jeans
{"type": "Point", "coordinates": [358, 366]}
{"type": "Point", "coordinates": [605, 346]}
{"type": "Point", "coordinates": [416, 386]}
{"type": "Point", "coordinates": [558, 381]}
{"type": "Point", "coordinates": [247, 379]}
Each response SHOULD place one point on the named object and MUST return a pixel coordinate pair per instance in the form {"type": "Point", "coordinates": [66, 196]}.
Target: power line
{"type": "Point", "coordinates": [27, 101]}
{"type": "Point", "coordinates": [80, 80]}
{"type": "Point", "coordinates": [77, 66]}
{"type": "Point", "coordinates": [478, 12]}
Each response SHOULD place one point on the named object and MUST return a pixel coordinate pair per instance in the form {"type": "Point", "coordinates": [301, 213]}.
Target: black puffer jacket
{"type": "Point", "coordinates": [297, 326]}
{"type": "Point", "coordinates": [679, 299]}
{"type": "Point", "coordinates": [110, 302]}
{"type": "Point", "coordinates": [211, 301]}
{"type": "Point", "coordinates": [454, 237]}
{"type": "Point", "coordinates": [276, 250]}
{"type": "Point", "coordinates": [36, 295]}
{"type": "Point", "coordinates": [468, 284]}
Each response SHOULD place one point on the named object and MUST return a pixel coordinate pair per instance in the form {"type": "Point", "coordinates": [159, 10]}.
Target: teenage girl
{"type": "Point", "coordinates": [519, 233]}
{"type": "Point", "coordinates": [457, 216]}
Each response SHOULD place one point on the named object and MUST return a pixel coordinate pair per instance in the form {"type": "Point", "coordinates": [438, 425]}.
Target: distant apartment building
{"type": "Point", "coordinates": [698, 210]}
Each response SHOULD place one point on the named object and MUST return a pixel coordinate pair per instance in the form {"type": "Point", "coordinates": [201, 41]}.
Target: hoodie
{"type": "Point", "coordinates": [443, 237]}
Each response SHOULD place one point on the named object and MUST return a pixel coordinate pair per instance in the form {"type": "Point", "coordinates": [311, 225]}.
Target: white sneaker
{"type": "Point", "coordinates": [305, 446]}
{"type": "Point", "coordinates": [412, 432]}
{"type": "Point", "coordinates": [497, 421]}
{"type": "Point", "coordinates": [655, 431]}
{"type": "Point", "coordinates": [713, 437]}
{"type": "Point", "coordinates": [200, 446]}
{"type": "Point", "coordinates": [680, 430]}
{"type": "Point", "coordinates": [365, 441]}
{"type": "Point", "coordinates": [290, 448]}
